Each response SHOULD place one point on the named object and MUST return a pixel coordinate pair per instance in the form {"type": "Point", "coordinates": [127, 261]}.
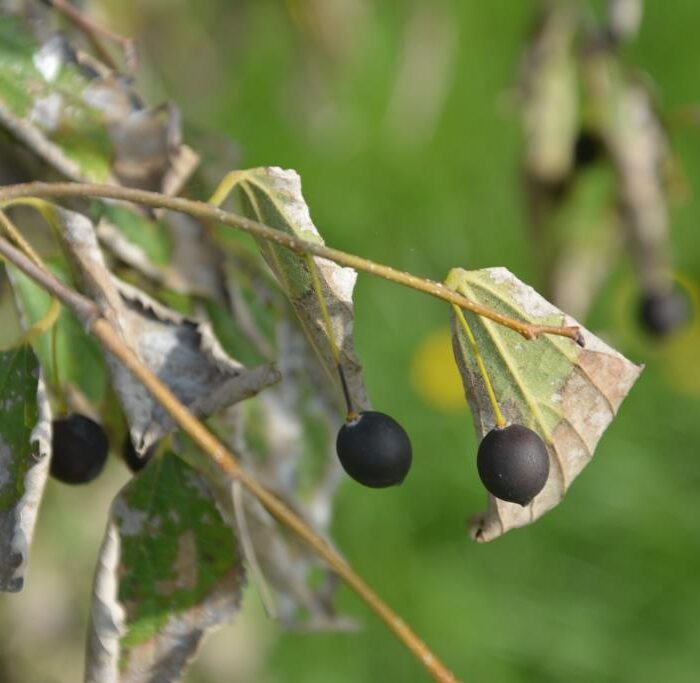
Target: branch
{"type": "Point", "coordinates": [90, 315]}
{"type": "Point", "coordinates": [207, 212]}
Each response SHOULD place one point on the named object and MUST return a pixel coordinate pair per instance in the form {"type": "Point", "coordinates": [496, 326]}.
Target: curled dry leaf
{"type": "Point", "coordinates": [25, 445]}
{"type": "Point", "coordinates": [567, 394]}
{"type": "Point", "coordinates": [84, 121]}
{"type": "Point", "coordinates": [273, 196]}
{"type": "Point", "coordinates": [147, 149]}
{"type": "Point", "coordinates": [549, 97]}
{"type": "Point", "coordinates": [182, 352]}
{"type": "Point", "coordinates": [169, 570]}
{"type": "Point", "coordinates": [630, 125]}
{"type": "Point", "coordinates": [286, 436]}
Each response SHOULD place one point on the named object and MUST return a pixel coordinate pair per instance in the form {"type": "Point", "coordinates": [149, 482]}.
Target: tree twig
{"type": "Point", "coordinates": [208, 212]}
{"type": "Point", "coordinates": [89, 313]}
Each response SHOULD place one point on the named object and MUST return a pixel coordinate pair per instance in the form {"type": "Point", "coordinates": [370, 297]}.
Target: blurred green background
{"type": "Point", "coordinates": [399, 116]}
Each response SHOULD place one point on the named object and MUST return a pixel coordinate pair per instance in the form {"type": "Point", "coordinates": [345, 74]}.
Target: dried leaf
{"type": "Point", "coordinates": [25, 444]}
{"type": "Point", "coordinates": [629, 124]}
{"type": "Point", "coordinates": [82, 120]}
{"type": "Point", "coordinates": [169, 571]}
{"type": "Point", "coordinates": [583, 242]}
{"type": "Point", "coordinates": [147, 149]}
{"type": "Point", "coordinates": [182, 352]}
{"type": "Point", "coordinates": [287, 436]}
{"type": "Point", "coordinates": [567, 394]}
{"type": "Point", "coordinates": [549, 95]}
{"type": "Point", "coordinates": [273, 196]}
{"type": "Point", "coordinates": [40, 105]}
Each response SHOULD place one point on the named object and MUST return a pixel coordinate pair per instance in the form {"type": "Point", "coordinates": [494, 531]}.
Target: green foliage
{"type": "Point", "coordinates": [175, 548]}
{"type": "Point", "coordinates": [75, 349]}
{"type": "Point", "coordinates": [19, 375]}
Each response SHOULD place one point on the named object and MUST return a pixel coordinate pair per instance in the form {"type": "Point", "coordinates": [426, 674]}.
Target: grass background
{"type": "Point", "coordinates": [604, 588]}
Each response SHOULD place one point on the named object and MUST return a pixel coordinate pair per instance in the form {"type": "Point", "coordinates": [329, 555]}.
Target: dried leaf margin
{"type": "Point", "coordinates": [567, 394]}
{"type": "Point", "coordinates": [170, 570]}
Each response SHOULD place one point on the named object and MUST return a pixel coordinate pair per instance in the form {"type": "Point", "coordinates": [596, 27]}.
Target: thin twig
{"type": "Point", "coordinates": [92, 30]}
{"type": "Point", "coordinates": [89, 313]}
{"type": "Point", "coordinates": [207, 212]}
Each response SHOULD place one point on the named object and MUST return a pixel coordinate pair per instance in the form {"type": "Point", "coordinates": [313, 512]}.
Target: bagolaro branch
{"type": "Point", "coordinates": [91, 316]}
{"type": "Point", "coordinates": [208, 212]}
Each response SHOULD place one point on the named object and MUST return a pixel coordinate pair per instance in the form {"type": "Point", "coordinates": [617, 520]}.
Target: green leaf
{"type": "Point", "coordinates": [565, 393]}
{"type": "Point", "coordinates": [25, 433]}
{"type": "Point", "coordinates": [75, 349]}
{"type": "Point", "coordinates": [170, 569]}
{"type": "Point", "coordinates": [273, 196]}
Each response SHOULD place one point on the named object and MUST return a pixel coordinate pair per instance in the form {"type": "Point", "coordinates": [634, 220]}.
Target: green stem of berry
{"type": "Point", "coordinates": [207, 212]}
{"type": "Point", "coordinates": [498, 415]}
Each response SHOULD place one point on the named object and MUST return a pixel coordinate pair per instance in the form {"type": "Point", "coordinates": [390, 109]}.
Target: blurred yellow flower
{"type": "Point", "coordinates": [434, 373]}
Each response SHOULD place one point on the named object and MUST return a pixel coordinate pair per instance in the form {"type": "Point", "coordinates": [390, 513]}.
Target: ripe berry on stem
{"type": "Point", "coordinates": [79, 449]}
{"type": "Point", "coordinates": [374, 449]}
{"type": "Point", "coordinates": [513, 463]}
{"type": "Point", "coordinates": [588, 148]}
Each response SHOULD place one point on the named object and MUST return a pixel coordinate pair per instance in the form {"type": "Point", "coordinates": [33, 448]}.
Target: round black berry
{"type": "Point", "coordinates": [662, 312]}
{"type": "Point", "coordinates": [513, 463]}
{"type": "Point", "coordinates": [79, 449]}
{"type": "Point", "coordinates": [374, 450]}
{"type": "Point", "coordinates": [588, 148]}
{"type": "Point", "coordinates": [133, 460]}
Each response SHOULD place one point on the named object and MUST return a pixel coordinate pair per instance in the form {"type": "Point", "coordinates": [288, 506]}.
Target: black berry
{"type": "Point", "coordinates": [79, 449]}
{"type": "Point", "coordinates": [513, 463]}
{"type": "Point", "coordinates": [662, 312]}
{"type": "Point", "coordinates": [374, 450]}
{"type": "Point", "coordinates": [588, 148]}
{"type": "Point", "coordinates": [133, 460]}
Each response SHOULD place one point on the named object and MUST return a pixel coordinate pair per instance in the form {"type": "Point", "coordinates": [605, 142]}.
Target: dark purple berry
{"type": "Point", "coordinates": [588, 148]}
{"type": "Point", "coordinates": [133, 460]}
{"type": "Point", "coordinates": [513, 463]}
{"type": "Point", "coordinates": [79, 449]}
{"type": "Point", "coordinates": [662, 312]}
{"type": "Point", "coordinates": [374, 450]}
